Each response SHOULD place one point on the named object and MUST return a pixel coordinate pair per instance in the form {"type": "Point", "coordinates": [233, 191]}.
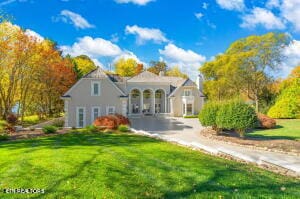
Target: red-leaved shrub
{"type": "Point", "coordinates": [111, 121]}
{"type": "Point", "coordinates": [11, 119]}
{"type": "Point", "coordinates": [265, 122]}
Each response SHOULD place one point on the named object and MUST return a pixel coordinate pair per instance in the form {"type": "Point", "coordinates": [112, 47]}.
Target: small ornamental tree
{"type": "Point", "coordinates": [208, 114]}
{"type": "Point", "coordinates": [236, 115]}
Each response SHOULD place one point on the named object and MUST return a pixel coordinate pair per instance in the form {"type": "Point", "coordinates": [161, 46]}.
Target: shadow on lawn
{"type": "Point", "coordinates": [78, 139]}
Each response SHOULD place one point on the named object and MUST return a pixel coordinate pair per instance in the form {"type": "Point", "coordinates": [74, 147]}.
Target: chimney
{"type": "Point", "coordinates": [199, 82]}
{"type": "Point", "coordinates": [161, 73]}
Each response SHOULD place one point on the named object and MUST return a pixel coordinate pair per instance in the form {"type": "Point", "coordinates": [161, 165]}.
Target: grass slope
{"type": "Point", "coordinates": [128, 166]}
{"type": "Point", "coordinates": [285, 129]}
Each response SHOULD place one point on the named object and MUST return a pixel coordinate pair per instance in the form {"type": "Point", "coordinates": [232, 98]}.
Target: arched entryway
{"type": "Point", "coordinates": [160, 101]}
{"type": "Point", "coordinates": [135, 101]}
{"type": "Point", "coordinates": [148, 101]}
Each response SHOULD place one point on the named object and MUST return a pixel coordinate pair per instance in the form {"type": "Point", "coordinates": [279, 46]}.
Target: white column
{"type": "Point", "coordinates": [166, 110]}
{"type": "Point", "coordinates": [142, 102]}
{"type": "Point", "coordinates": [185, 108]}
{"type": "Point", "coordinates": [153, 102]}
{"type": "Point", "coordinates": [66, 113]}
{"type": "Point", "coordinates": [129, 104]}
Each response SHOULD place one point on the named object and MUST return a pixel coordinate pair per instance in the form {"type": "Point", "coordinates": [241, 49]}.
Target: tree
{"type": "Point", "coordinates": [126, 67]}
{"type": "Point", "coordinates": [139, 69]}
{"type": "Point", "coordinates": [245, 67]}
{"type": "Point", "coordinates": [33, 73]}
{"type": "Point", "coordinates": [176, 72]}
{"type": "Point", "coordinates": [158, 66]}
{"type": "Point", "coordinates": [287, 104]}
{"type": "Point", "coordinates": [83, 65]}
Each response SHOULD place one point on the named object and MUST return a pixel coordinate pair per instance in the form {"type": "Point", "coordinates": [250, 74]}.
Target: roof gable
{"type": "Point", "coordinates": [97, 73]}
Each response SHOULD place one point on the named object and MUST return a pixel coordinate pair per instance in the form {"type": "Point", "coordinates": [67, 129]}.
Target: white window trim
{"type": "Point", "coordinates": [92, 88]}
{"type": "Point", "coordinates": [92, 112]}
{"type": "Point", "coordinates": [108, 107]}
{"type": "Point", "coordinates": [189, 90]}
{"type": "Point", "coordinates": [77, 116]}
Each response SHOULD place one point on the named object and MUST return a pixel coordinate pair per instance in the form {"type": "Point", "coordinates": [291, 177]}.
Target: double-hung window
{"type": "Point", "coordinates": [187, 92]}
{"type": "Point", "coordinates": [110, 110]}
{"type": "Point", "coordinates": [96, 112]}
{"type": "Point", "coordinates": [80, 117]}
{"type": "Point", "coordinates": [95, 88]}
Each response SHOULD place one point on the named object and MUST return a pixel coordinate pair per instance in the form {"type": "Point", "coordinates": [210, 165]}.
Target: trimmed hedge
{"type": "Point", "coordinates": [123, 128]}
{"type": "Point", "coordinates": [49, 129]}
{"type": "Point", "coordinates": [111, 121]}
{"type": "Point", "coordinates": [236, 115]}
{"type": "Point", "coordinates": [208, 114]}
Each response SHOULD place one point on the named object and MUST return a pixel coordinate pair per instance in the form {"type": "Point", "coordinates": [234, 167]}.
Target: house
{"type": "Point", "coordinates": [98, 93]}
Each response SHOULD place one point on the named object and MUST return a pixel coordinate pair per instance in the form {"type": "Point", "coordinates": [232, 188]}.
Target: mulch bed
{"type": "Point", "coordinates": [27, 134]}
{"type": "Point", "coordinates": [276, 145]}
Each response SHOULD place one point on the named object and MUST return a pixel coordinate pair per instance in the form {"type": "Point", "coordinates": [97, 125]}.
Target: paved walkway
{"type": "Point", "coordinates": [187, 132]}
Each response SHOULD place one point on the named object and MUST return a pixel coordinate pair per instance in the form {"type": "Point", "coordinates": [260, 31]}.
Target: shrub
{"type": "Point", "coordinates": [111, 121]}
{"type": "Point", "coordinates": [123, 128]}
{"type": "Point", "coordinates": [31, 120]}
{"type": "Point", "coordinates": [208, 115]}
{"type": "Point", "coordinates": [12, 119]}
{"type": "Point", "coordinates": [122, 120]}
{"type": "Point", "coordinates": [236, 115]}
{"type": "Point", "coordinates": [49, 129]}
{"type": "Point", "coordinates": [3, 137]}
{"type": "Point", "coordinates": [265, 122]}
{"type": "Point", "coordinates": [91, 128]}
{"type": "Point", "coordinates": [287, 105]}
{"type": "Point", "coordinates": [58, 123]}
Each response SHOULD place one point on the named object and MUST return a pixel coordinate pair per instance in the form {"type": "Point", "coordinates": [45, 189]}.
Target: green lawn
{"type": "Point", "coordinates": [84, 165]}
{"type": "Point", "coordinates": [285, 129]}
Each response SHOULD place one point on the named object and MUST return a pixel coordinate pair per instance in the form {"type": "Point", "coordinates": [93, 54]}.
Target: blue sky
{"type": "Point", "coordinates": [181, 32]}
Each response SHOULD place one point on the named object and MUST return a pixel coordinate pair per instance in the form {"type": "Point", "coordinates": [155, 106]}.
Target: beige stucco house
{"type": "Point", "coordinates": [98, 94]}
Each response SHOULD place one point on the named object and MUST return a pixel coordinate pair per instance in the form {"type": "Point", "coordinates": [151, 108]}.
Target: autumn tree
{"type": "Point", "coordinates": [245, 67]}
{"type": "Point", "coordinates": [83, 65]}
{"type": "Point", "coordinates": [139, 69]}
{"type": "Point", "coordinates": [158, 66]}
{"type": "Point", "coordinates": [176, 72]}
{"type": "Point", "coordinates": [126, 67]}
{"type": "Point", "coordinates": [33, 73]}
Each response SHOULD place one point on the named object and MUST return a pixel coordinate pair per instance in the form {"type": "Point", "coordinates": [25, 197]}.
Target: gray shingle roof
{"type": "Point", "coordinates": [97, 73]}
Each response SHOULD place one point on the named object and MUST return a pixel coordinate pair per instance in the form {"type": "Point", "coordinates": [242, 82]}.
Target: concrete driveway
{"type": "Point", "coordinates": [166, 125]}
{"type": "Point", "coordinates": [187, 132]}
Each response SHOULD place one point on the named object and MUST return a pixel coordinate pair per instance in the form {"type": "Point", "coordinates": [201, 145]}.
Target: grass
{"type": "Point", "coordinates": [285, 129]}
{"type": "Point", "coordinates": [190, 116]}
{"type": "Point", "coordinates": [86, 165]}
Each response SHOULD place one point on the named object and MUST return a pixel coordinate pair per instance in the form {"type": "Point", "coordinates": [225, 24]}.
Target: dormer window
{"type": "Point", "coordinates": [95, 88]}
{"type": "Point", "coordinates": [187, 92]}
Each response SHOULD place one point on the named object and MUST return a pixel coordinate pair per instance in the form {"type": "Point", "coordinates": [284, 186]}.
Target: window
{"type": "Point", "coordinates": [95, 88]}
{"type": "Point", "coordinates": [96, 112]}
{"type": "Point", "coordinates": [80, 113]}
{"type": "Point", "coordinates": [110, 110]}
{"type": "Point", "coordinates": [187, 92]}
{"type": "Point", "coordinates": [188, 110]}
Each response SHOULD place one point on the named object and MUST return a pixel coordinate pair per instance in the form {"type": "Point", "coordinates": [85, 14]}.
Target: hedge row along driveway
{"type": "Point", "coordinates": [90, 165]}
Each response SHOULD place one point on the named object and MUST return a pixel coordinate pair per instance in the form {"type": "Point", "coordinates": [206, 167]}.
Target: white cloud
{"type": "Point", "coordinates": [7, 2]}
{"type": "Point", "coordinates": [238, 5]}
{"type": "Point", "coordinates": [93, 47]}
{"type": "Point", "coordinates": [263, 17]}
{"type": "Point", "coordinates": [77, 20]}
{"type": "Point", "coordinates": [34, 34]}
{"type": "Point", "coordinates": [188, 61]}
{"type": "Point", "coordinates": [290, 10]}
{"type": "Point", "coordinates": [273, 4]}
{"type": "Point", "coordinates": [292, 54]}
{"type": "Point", "coordinates": [146, 34]}
{"type": "Point", "coordinates": [199, 15]}
{"type": "Point", "coordinates": [138, 2]}
{"type": "Point", "coordinates": [205, 5]}
{"type": "Point", "coordinates": [98, 49]}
